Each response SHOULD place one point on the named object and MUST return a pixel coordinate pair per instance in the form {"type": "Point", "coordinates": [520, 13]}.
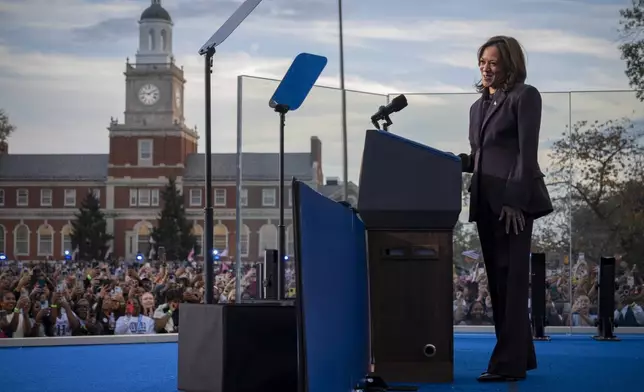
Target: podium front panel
{"type": "Point", "coordinates": [407, 185]}
{"type": "Point", "coordinates": [411, 291]}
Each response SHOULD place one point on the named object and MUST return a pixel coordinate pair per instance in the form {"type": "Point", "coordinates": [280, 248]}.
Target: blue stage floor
{"type": "Point", "coordinates": [567, 363]}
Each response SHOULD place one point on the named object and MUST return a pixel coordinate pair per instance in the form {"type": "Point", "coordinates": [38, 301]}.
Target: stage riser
{"type": "Point", "coordinates": [237, 348]}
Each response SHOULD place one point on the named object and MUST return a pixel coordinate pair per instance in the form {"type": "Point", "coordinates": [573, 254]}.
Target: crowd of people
{"type": "Point", "coordinates": [100, 298]}
{"type": "Point", "coordinates": [565, 305]}
{"type": "Point", "coordinates": [72, 298]}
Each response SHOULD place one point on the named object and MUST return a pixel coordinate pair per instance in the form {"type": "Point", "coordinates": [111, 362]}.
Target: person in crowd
{"type": "Point", "coordinates": [166, 316]}
{"type": "Point", "coordinates": [14, 320]}
{"type": "Point", "coordinates": [65, 321]}
{"type": "Point", "coordinates": [476, 315]}
{"type": "Point", "coordinates": [133, 321]}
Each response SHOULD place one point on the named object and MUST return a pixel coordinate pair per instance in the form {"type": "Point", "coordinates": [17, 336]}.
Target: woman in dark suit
{"type": "Point", "coordinates": [507, 194]}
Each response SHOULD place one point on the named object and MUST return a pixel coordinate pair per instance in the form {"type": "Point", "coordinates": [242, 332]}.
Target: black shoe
{"type": "Point", "coordinates": [489, 377]}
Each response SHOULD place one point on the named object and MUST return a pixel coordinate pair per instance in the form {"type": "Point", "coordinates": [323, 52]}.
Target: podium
{"type": "Point", "coordinates": [410, 200]}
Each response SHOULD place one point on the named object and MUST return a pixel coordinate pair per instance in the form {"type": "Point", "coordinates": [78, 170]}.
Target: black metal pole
{"type": "Point", "coordinates": [282, 231]}
{"type": "Point", "coordinates": [343, 92]}
{"type": "Point", "coordinates": [209, 218]}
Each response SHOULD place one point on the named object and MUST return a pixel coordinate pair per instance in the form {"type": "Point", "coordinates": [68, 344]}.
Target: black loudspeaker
{"type": "Point", "coordinates": [259, 281]}
{"type": "Point", "coordinates": [606, 293]}
{"type": "Point", "coordinates": [271, 274]}
{"type": "Point", "coordinates": [238, 348]}
{"type": "Point", "coordinates": [538, 295]}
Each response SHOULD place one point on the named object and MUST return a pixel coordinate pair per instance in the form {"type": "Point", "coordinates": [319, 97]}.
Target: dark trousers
{"type": "Point", "coordinates": [507, 258]}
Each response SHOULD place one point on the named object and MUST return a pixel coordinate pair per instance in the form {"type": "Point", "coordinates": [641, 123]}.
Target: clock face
{"type": "Point", "coordinates": [177, 98]}
{"type": "Point", "coordinates": [149, 94]}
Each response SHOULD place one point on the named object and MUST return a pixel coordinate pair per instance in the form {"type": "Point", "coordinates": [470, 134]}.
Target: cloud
{"type": "Point", "coordinates": [62, 77]}
{"type": "Point", "coordinates": [64, 14]}
{"type": "Point", "coordinates": [65, 101]}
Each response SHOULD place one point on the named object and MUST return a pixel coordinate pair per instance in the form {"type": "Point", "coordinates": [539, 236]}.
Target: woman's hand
{"type": "Point", "coordinates": [513, 218]}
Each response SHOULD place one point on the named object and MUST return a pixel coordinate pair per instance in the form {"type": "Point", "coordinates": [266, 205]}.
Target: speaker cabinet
{"type": "Point", "coordinates": [606, 287]}
{"type": "Point", "coordinates": [538, 294]}
{"type": "Point", "coordinates": [411, 305]}
{"type": "Point", "coordinates": [237, 348]}
{"type": "Point", "coordinates": [271, 274]}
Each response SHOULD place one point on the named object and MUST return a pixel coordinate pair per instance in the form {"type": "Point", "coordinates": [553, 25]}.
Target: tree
{"type": "Point", "coordinates": [173, 231]}
{"type": "Point", "coordinates": [597, 167]}
{"type": "Point", "coordinates": [632, 48]}
{"type": "Point", "coordinates": [89, 230]}
{"type": "Point", "coordinates": [6, 128]}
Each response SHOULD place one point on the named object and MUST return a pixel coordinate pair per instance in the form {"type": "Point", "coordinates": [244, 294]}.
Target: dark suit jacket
{"type": "Point", "coordinates": [504, 141]}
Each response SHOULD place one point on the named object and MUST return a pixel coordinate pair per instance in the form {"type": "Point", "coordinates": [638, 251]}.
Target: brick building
{"type": "Point", "coordinates": [39, 194]}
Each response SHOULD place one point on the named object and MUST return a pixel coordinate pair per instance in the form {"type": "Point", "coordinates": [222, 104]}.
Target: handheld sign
{"type": "Point", "coordinates": [298, 81]}
{"type": "Point", "coordinates": [230, 25]}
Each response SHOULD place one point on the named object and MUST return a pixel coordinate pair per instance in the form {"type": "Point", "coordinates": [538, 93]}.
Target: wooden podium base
{"type": "Point", "coordinates": [411, 305]}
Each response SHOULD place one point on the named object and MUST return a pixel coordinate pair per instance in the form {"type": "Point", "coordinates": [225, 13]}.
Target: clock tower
{"type": "Point", "coordinates": [153, 133]}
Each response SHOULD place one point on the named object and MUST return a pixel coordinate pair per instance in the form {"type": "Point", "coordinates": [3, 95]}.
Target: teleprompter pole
{"type": "Point", "coordinates": [281, 254]}
{"type": "Point", "coordinates": [209, 218]}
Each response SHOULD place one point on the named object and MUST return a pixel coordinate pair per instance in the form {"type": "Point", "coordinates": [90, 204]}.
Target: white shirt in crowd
{"type": "Point", "coordinates": [160, 313]}
{"type": "Point", "coordinates": [20, 330]}
{"type": "Point", "coordinates": [638, 313]}
{"type": "Point", "coordinates": [62, 326]}
{"type": "Point", "coordinates": [134, 325]}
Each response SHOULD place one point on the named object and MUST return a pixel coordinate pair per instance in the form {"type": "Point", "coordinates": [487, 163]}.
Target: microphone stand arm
{"type": "Point", "coordinates": [385, 126]}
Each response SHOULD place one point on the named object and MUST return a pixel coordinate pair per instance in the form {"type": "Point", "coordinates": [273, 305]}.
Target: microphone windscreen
{"type": "Point", "coordinates": [399, 103]}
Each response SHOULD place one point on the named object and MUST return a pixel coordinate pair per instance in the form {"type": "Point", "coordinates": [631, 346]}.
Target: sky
{"type": "Point", "coordinates": [62, 64]}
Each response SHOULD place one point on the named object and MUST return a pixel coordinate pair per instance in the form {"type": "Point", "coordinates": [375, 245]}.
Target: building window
{"type": "Point", "coordinates": [197, 231]}
{"type": "Point", "coordinates": [220, 197]}
{"type": "Point", "coordinates": [45, 241]}
{"type": "Point", "coordinates": [151, 40]}
{"type": "Point", "coordinates": [1, 197]}
{"type": "Point", "coordinates": [97, 195]}
{"type": "Point", "coordinates": [244, 198]}
{"type": "Point", "coordinates": [290, 241]}
{"type": "Point", "coordinates": [244, 240]}
{"type": "Point", "coordinates": [267, 238]}
{"type": "Point", "coordinates": [143, 244]}
{"type": "Point", "coordinates": [21, 240]}
{"type": "Point", "coordinates": [22, 197]}
{"type": "Point", "coordinates": [195, 197]}
{"type": "Point", "coordinates": [70, 197]}
{"type": "Point", "coordinates": [144, 197]}
{"type": "Point", "coordinates": [134, 197]}
{"type": "Point", "coordinates": [66, 238]}
{"type": "Point", "coordinates": [220, 240]}
{"type": "Point", "coordinates": [164, 41]}
{"type": "Point", "coordinates": [145, 152]}
{"type": "Point", "coordinates": [154, 197]}
{"type": "Point", "coordinates": [268, 197]}
{"type": "Point", "coordinates": [45, 197]}
{"type": "Point", "coordinates": [3, 238]}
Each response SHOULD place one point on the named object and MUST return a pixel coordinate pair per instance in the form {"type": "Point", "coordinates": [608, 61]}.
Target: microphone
{"type": "Point", "coordinates": [397, 104]}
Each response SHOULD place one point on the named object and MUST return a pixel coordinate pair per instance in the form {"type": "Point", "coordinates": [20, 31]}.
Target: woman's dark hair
{"type": "Point", "coordinates": [512, 61]}
{"type": "Point", "coordinates": [174, 294]}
